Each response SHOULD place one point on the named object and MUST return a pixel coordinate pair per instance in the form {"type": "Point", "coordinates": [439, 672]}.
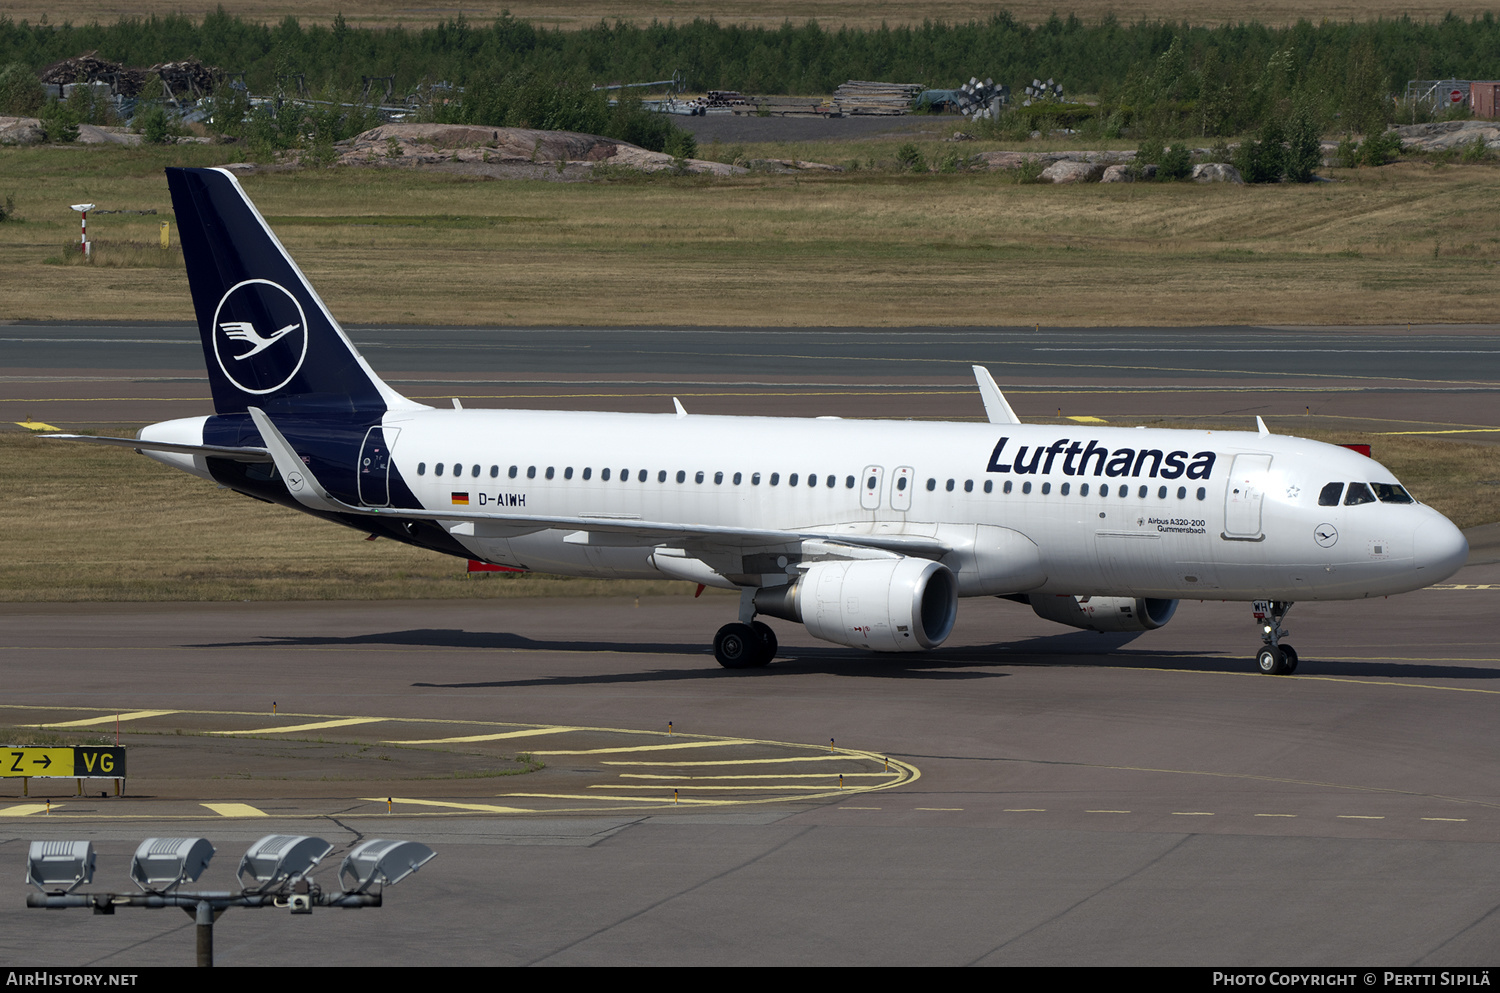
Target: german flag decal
{"type": "Point", "coordinates": [460, 499]}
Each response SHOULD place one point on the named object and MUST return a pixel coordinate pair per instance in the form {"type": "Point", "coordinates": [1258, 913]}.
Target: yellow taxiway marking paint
{"type": "Point", "coordinates": [1086, 419]}
{"type": "Point", "coordinates": [133, 715]}
{"type": "Point", "coordinates": [483, 808]}
{"type": "Point", "coordinates": [732, 789]}
{"type": "Point", "coordinates": [316, 726]}
{"type": "Point", "coordinates": [1192, 813]}
{"type": "Point", "coordinates": [236, 810]}
{"type": "Point", "coordinates": [480, 737]}
{"type": "Point", "coordinates": [1360, 817]}
{"type": "Point", "coordinates": [621, 799]}
{"type": "Point", "coordinates": [650, 748]}
{"type": "Point", "coordinates": [26, 809]}
{"type": "Point", "coordinates": [804, 758]}
{"type": "Point", "coordinates": [779, 775]}
{"type": "Point", "coordinates": [1275, 815]}
{"type": "Point", "coordinates": [1454, 431]}
{"type": "Point", "coordinates": [36, 426]}
{"type": "Point", "coordinates": [1453, 820]}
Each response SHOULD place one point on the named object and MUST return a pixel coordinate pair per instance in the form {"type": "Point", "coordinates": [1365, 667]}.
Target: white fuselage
{"type": "Point", "coordinates": [1167, 523]}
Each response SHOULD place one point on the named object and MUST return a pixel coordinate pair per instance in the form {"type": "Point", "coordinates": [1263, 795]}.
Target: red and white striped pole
{"type": "Point", "coordinates": [83, 231]}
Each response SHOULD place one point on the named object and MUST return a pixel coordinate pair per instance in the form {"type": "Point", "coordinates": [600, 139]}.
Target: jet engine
{"type": "Point", "coordinates": [898, 604]}
{"type": "Point", "coordinates": [1104, 613]}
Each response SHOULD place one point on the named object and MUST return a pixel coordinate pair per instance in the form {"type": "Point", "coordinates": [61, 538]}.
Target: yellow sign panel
{"type": "Point", "coordinates": [62, 763]}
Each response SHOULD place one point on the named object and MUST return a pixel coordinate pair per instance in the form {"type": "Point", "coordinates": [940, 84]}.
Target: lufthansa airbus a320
{"type": "Point", "coordinates": [866, 532]}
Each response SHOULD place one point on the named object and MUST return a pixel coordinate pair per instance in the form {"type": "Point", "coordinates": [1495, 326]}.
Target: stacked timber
{"type": "Point", "coordinates": [865, 97]}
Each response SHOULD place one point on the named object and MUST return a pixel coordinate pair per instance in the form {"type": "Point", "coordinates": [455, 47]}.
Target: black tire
{"type": "Point", "coordinates": [768, 642]}
{"type": "Point", "coordinates": [1271, 661]}
{"type": "Point", "coordinates": [1290, 654]}
{"type": "Point", "coordinates": [737, 646]}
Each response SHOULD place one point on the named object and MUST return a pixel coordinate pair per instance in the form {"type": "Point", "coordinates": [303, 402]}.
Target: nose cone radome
{"type": "Point", "coordinates": [1441, 550]}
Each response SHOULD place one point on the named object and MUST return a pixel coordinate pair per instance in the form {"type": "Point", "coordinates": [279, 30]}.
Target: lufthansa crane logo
{"type": "Point", "coordinates": [260, 336]}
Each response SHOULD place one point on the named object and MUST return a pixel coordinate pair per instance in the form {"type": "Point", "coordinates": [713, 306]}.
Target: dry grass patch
{"type": "Point", "coordinates": [1408, 242]}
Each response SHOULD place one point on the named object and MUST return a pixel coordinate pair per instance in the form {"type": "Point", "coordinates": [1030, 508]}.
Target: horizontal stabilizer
{"type": "Point", "coordinates": [140, 445]}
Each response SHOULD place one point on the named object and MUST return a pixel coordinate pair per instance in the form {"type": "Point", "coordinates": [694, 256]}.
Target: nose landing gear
{"type": "Point", "coordinates": [1274, 657]}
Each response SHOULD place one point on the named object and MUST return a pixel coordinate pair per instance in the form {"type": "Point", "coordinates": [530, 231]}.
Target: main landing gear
{"type": "Point", "coordinates": [748, 643]}
{"type": "Point", "coordinates": [745, 646]}
{"type": "Point", "coordinates": [1274, 657]}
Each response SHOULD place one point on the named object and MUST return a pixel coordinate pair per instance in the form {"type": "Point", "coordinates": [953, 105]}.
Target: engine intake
{"type": "Point", "coordinates": [884, 605]}
{"type": "Point", "coordinates": [1104, 613]}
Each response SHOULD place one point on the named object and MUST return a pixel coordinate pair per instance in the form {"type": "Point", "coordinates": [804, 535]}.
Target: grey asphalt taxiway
{"type": "Point", "coordinates": [1070, 798]}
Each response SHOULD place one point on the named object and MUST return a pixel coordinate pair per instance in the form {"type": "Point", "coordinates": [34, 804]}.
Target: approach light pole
{"type": "Point", "coordinates": [278, 866]}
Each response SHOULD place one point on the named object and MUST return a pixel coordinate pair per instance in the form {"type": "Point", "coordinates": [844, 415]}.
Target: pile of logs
{"type": "Point", "coordinates": [864, 97]}
{"type": "Point", "coordinates": [187, 78]}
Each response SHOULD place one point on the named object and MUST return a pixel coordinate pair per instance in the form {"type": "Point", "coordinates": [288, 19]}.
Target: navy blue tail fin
{"type": "Point", "coordinates": [268, 340]}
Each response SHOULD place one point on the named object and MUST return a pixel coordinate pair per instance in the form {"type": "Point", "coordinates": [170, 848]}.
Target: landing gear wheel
{"type": "Point", "coordinates": [738, 646]}
{"type": "Point", "coordinates": [768, 643]}
{"type": "Point", "coordinates": [1271, 661]}
{"type": "Point", "coordinates": [1291, 658]}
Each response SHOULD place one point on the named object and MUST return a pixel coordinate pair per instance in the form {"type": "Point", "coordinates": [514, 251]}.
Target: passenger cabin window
{"type": "Point", "coordinates": [775, 478]}
{"type": "Point", "coordinates": [718, 479]}
{"type": "Point", "coordinates": [513, 471]}
{"type": "Point", "coordinates": [421, 468]}
{"type": "Point", "coordinates": [437, 470]}
{"type": "Point", "coordinates": [494, 472]}
{"type": "Point", "coordinates": [640, 477]}
{"type": "Point", "coordinates": [1391, 493]}
{"type": "Point", "coordinates": [531, 472]}
{"type": "Point", "coordinates": [1330, 495]}
{"type": "Point", "coordinates": [568, 473]}
{"type": "Point", "coordinates": [989, 485]}
{"type": "Point", "coordinates": [901, 484]}
{"type": "Point", "coordinates": [661, 477]}
{"type": "Point", "coordinates": [755, 479]}
{"type": "Point", "coordinates": [792, 479]}
{"type": "Point", "coordinates": [550, 472]}
{"type": "Point", "coordinates": [698, 477]}
{"type": "Point", "coordinates": [931, 485]}
{"type": "Point", "coordinates": [589, 471]}
{"type": "Point", "coordinates": [1358, 493]}
{"type": "Point", "coordinates": [848, 482]}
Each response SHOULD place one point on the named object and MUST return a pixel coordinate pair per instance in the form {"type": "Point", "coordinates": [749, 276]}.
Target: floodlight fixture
{"type": "Point", "coordinates": [160, 864]}
{"type": "Point", "coordinates": [382, 861]}
{"type": "Point", "coordinates": [61, 865]}
{"type": "Point", "coordinates": [278, 858]}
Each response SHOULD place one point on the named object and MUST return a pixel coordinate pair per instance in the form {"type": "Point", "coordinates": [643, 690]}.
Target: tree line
{"type": "Point", "coordinates": [1167, 79]}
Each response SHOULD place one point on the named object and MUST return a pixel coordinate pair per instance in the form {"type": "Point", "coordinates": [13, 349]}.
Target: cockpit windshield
{"type": "Point", "coordinates": [1391, 493]}
{"type": "Point", "coordinates": [1361, 493]}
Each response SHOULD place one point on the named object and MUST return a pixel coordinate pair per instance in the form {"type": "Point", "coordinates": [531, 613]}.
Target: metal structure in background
{"type": "Point", "coordinates": [982, 101]}
{"type": "Point", "coordinates": [1436, 94]}
{"type": "Point", "coordinates": [1040, 92]}
{"type": "Point", "coordinates": [277, 865]}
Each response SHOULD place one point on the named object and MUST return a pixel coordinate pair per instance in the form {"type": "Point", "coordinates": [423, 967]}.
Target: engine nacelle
{"type": "Point", "coordinates": [884, 605]}
{"type": "Point", "coordinates": [1104, 613]}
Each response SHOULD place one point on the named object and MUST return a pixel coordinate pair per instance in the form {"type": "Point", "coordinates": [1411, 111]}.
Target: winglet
{"type": "Point", "coordinates": [1261, 426]}
{"type": "Point", "coordinates": [681, 410]}
{"type": "Point", "coordinates": [300, 481]}
{"type": "Point", "coordinates": [995, 407]}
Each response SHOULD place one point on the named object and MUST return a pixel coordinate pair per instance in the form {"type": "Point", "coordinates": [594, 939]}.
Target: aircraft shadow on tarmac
{"type": "Point", "coordinates": [1073, 648]}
